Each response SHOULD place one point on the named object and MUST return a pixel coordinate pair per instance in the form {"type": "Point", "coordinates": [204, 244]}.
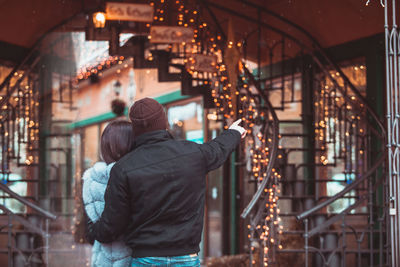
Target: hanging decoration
{"type": "Point", "coordinates": [87, 71]}
{"type": "Point", "coordinates": [118, 107]}
{"type": "Point", "coordinates": [129, 12]}
{"type": "Point", "coordinates": [231, 58]}
{"type": "Point", "coordinates": [170, 34]}
{"type": "Point", "coordinates": [202, 63]}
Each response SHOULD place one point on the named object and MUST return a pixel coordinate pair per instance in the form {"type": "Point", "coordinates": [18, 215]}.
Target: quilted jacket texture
{"type": "Point", "coordinates": [95, 180]}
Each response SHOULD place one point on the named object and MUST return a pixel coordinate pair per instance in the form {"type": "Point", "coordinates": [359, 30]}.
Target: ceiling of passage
{"type": "Point", "coordinates": [330, 22]}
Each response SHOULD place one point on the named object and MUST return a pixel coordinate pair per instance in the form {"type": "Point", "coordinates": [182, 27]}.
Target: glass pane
{"type": "Point", "coordinates": [186, 120]}
{"type": "Point", "coordinates": [215, 199]}
{"type": "Point", "coordinates": [90, 145]}
{"type": "Point", "coordinates": [342, 173]}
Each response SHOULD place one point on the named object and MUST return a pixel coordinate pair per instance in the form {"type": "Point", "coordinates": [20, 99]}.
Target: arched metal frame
{"type": "Point", "coordinates": [340, 98]}
{"type": "Point", "coordinates": [371, 178]}
{"type": "Point", "coordinates": [392, 47]}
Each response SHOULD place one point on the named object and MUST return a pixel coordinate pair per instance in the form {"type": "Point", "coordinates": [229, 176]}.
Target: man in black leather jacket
{"type": "Point", "coordinates": [155, 194]}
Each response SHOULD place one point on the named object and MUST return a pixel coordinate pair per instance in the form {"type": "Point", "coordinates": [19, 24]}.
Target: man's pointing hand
{"type": "Point", "coordinates": [240, 129]}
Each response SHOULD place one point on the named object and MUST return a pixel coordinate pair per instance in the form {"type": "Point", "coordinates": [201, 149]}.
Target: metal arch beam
{"type": "Point", "coordinates": [318, 48]}
{"type": "Point", "coordinates": [254, 20]}
{"type": "Point", "coordinates": [258, 194]}
{"type": "Point", "coordinates": [273, 14]}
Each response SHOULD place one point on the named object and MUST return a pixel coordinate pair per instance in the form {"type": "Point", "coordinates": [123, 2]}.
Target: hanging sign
{"type": "Point", "coordinates": [129, 12]}
{"type": "Point", "coordinates": [203, 63]}
{"type": "Point", "coordinates": [171, 34]}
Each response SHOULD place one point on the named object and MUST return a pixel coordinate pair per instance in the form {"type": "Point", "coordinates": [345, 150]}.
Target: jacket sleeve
{"type": "Point", "coordinates": [218, 150]}
{"type": "Point", "coordinates": [88, 227]}
{"type": "Point", "coordinates": [116, 213]}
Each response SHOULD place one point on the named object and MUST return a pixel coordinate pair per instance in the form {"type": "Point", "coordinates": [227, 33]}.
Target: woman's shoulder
{"type": "Point", "coordinates": [99, 172]}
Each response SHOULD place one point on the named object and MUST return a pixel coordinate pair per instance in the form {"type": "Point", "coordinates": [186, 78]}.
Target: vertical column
{"type": "Point", "coordinates": [233, 207]}
{"type": "Point", "coordinates": [226, 211]}
{"type": "Point", "coordinates": [375, 99]}
{"type": "Point", "coordinates": [307, 112]}
{"type": "Point", "coordinates": [392, 114]}
{"type": "Point", "coordinates": [45, 114]}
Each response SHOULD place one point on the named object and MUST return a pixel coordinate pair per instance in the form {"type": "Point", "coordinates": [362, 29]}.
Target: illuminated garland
{"type": "Point", "coordinates": [97, 68]}
{"type": "Point", "coordinates": [20, 123]}
{"type": "Point", "coordinates": [337, 120]}
{"type": "Point", "coordinates": [254, 120]}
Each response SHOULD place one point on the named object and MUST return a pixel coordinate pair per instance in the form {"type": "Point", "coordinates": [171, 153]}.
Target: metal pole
{"type": "Point", "coordinates": [371, 222]}
{"type": "Point", "coordinates": [46, 248]}
{"type": "Point", "coordinates": [306, 241]}
{"type": "Point", "coordinates": [394, 41]}
{"type": "Point", "coordinates": [9, 244]}
{"type": "Point", "coordinates": [359, 251]}
{"type": "Point", "coordinates": [392, 119]}
{"type": "Point", "coordinates": [344, 244]}
{"type": "Point", "coordinates": [251, 241]}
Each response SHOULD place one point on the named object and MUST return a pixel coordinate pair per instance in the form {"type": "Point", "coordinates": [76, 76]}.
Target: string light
{"type": "Point", "coordinates": [100, 66]}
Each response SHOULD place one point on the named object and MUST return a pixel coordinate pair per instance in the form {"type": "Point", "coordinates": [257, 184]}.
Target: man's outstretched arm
{"type": "Point", "coordinates": [116, 213]}
{"type": "Point", "coordinates": [218, 150]}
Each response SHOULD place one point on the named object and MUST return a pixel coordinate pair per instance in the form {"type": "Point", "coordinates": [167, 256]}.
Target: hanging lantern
{"type": "Point", "coordinates": [99, 19]}
{"type": "Point", "coordinates": [118, 107]}
{"type": "Point", "coordinates": [117, 86]}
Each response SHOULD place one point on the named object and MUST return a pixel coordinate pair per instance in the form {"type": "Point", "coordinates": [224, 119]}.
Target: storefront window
{"type": "Point", "coordinates": [91, 145]}
{"type": "Point", "coordinates": [12, 181]}
{"type": "Point", "coordinates": [185, 120]}
{"type": "Point", "coordinates": [215, 202]}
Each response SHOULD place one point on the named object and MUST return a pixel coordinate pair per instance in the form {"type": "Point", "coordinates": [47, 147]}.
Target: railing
{"type": "Point", "coordinates": [263, 146]}
{"type": "Point", "coordinates": [274, 144]}
{"type": "Point", "coordinates": [12, 194]}
{"type": "Point", "coordinates": [32, 227]}
{"type": "Point", "coordinates": [374, 181]}
{"type": "Point", "coordinates": [19, 105]}
{"type": "Point", "coordinates": [19, 117]}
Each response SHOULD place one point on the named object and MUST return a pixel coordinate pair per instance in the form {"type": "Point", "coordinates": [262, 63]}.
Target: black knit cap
{"type": "Point", "coordinates": [147, 115]}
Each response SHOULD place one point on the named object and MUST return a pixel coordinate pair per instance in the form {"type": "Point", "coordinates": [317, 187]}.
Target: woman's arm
{"type": "Point", "coordinates": [116, 214]}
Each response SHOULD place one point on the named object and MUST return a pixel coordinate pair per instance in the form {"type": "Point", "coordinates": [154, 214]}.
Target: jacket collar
{"type": "Point", "coordinates": [152, 137]}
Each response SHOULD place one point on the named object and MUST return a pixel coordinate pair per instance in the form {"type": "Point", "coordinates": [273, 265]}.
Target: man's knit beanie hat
{"type": "Point", "coordinates": [147, 115]}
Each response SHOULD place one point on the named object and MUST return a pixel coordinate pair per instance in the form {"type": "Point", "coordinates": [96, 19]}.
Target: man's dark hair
{"type": "Point", "coordinates": [116, 140]}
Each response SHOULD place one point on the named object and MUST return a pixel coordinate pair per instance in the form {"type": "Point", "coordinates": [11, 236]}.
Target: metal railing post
{"type": "Point", "coordinates": [306, 241]}
{"type": "Point", "coordinates": [344, 244]}
{"type": "Point", "coordinates": [359, 252]}
{"type": "Point", "coordinates": [46, 248]}
{"type": "Point", "coordinates": [371, 222]}
{"type": "Point", "coordinates": [9, 243]}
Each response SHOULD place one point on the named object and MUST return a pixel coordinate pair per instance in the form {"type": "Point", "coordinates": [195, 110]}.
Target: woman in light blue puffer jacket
{"type": "Point", "coordinates": [116, 141]}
